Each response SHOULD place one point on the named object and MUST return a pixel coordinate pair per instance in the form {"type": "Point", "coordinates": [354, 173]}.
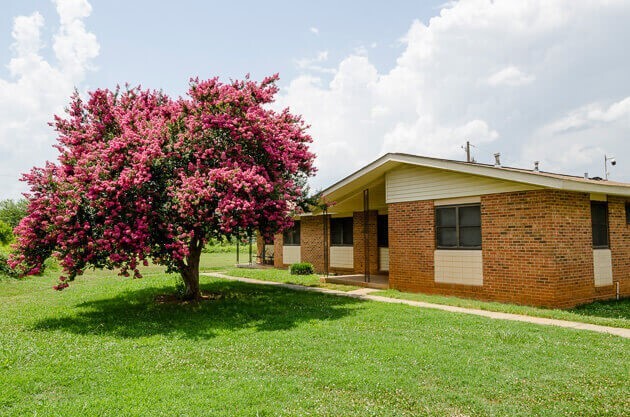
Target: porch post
{"type": "Point", "coordinates": [250, 247]}
{"type": "Point", "coordinates": [238, 249]}
{"type": "Point", "coordinates": [366, 234]}
{"type": "Point", "coordinates": [326, 252]}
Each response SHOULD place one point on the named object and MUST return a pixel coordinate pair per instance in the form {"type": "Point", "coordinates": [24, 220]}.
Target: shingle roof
{"type": "Point", "coordinates": [556, 175]}
{"type": "Point", "coordinates": [526, 176]}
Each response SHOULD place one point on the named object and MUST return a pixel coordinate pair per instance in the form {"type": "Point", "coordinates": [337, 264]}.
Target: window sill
{"type": "Point", "coordinates": [458, 248]}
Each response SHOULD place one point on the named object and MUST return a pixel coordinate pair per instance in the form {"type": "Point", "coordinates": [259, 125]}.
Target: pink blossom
{"type": "Point", "coordinates": [141, 175]}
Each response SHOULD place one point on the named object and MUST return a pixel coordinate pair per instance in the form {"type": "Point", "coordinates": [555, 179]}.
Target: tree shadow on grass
{"type": "Point", "coordinates": [616, 309]}
{"type": "Point", "coordinates": [135, 314]}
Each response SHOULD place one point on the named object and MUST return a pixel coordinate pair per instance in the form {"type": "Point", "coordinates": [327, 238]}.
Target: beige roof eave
{"type": "Point", "coordinates": [379, 167]}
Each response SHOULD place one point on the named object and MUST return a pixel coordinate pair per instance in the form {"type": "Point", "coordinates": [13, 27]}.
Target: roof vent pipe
{"type": "Point", "coordinates": [536, 165]}
{"type": "Point", "coordinates": [497, 159]}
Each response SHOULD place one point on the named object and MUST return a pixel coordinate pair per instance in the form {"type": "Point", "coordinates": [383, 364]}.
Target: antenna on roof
{"type": "Point", "coordinates": [612, 161]}
{"type": "Point", "coordinates": [467, 149]}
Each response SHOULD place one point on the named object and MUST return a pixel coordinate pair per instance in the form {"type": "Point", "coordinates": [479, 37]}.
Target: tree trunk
{"type": "Point", "coordinates": [190, 273]}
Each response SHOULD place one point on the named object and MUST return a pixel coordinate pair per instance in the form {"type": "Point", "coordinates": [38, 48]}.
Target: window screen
{"type": "Point", "coordinates": [446, 222]}
{"type": "Point", "coordinates": [469, 226]}
{"type": "Point", "coordinates": [292, 235]}
{"type": "Point", "coordinates": [599, 221]}
{"type": "Point", "coordinates": [458, 227]}
{"type": "Point", "coordinates": [341, 231]}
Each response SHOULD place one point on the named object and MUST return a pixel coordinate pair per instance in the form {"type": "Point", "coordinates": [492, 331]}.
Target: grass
{"type": "Point", "coordinates": [605, 313]}
{"type": "Point", "coordinates": [618, 310]}
{"type": "Point", "coordinates": [281, 275]}
{"type": "Point", "coordinates": [105, 347]}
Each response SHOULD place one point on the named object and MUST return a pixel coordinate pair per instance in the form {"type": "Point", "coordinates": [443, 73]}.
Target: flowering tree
{"type": "Point", "coordinates": [141, 176]}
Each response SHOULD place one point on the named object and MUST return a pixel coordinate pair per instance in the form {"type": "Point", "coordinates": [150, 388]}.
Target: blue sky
{"type": "Point", "coordinates": [542, 80]}
{"type": "Point", "coordinates": [163, 44]}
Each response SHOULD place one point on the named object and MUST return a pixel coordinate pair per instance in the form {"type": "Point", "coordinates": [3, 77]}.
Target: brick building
{"type": "Point", "coordinates": [472, 230]}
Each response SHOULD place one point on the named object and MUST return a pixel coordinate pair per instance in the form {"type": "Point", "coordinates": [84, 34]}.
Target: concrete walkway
{"type": "Point", "coordinates": [364, 294]}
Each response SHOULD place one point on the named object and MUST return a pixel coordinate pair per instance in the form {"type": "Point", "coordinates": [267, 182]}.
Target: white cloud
{"type": "Point", "coordinates": [583, 136]}
{"type": "Point", "coordinates": [314, 64]}
{"type": "Point", "coordinates": [590, 116]}
{"type": "Point", "coordinates": [314, 30]}
{"type": "Point", "coordinates": [510, 76]}
{"type": "Point", "coordinates": [449, 86]}
{"type": "Point", "coordinates": [37, 89]}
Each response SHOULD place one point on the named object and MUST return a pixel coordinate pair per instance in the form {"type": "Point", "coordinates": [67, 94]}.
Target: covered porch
{"type": "Point", "coordinates": [379, 281]}
{"type": "Point", "coordinates": [362, 259]}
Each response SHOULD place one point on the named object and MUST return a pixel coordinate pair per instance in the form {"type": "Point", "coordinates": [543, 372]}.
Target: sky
{"type": "Point", "coordinates": [544, 81]}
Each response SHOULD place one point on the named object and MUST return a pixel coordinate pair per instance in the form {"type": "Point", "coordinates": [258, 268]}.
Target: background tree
{"type": "Point", "coordinates": [11, 212]}
{"type": "Point", "coordinates": [143, 176]}
{"type": "Point", "coordinates": [6, 233]}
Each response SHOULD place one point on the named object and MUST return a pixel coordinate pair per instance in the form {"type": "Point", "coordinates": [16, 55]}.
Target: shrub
{"type": "Point", "coordinates": [5, 269]}
{"type": "Point", "coordinates": [50, 264]}
{"type": "Point", "coordinates": [6, 233]}
{"type": "Point", "coordinates": [302, 268]}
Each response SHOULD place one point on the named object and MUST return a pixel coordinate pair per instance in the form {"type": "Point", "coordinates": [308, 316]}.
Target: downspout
{"type": "Point", "coordinates": [617, 290]}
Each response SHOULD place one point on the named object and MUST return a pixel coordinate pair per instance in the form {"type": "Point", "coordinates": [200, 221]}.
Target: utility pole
{"type": "Point", "coordinates": [467, 149]}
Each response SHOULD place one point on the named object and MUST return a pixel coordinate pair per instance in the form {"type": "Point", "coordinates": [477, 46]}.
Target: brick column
{"type": "Point", "coordinates": [260, 248]}
{"type": "Point", "coordinates": [278, 241]}
{"type": "Point", "coordinates": [312, 241]}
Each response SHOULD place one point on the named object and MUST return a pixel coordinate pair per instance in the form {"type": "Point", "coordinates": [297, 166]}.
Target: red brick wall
{"type": "Point", "coordinates": [312, 244]}
{"type": "Point", "coordinates": [537, 249]}
{"type": "Point", "coordinates": [411, 244]}
{"type": "Point", "coordinates": [359, 242]}
{"type": "Point", "coordinates": [312, 241]}
{"type": "Point", "coordinates": [572, 244]}
{"type": "Point", "coordinates": [278, 241]}
{"type": "Point", "coordinates": [619, 246]}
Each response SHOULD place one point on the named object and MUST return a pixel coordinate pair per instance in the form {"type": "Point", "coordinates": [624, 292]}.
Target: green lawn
{"type": "Point", "coordinates": [283, 275]}
{"type": "Point", "coordinates": [105, 347]}
{"type": "Point", "coordinates": [606, 313]}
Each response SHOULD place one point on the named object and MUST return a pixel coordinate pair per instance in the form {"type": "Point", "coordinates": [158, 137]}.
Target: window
{"type": "Point", "coordinates": [382, 235]}
{"type": "Point", "coordinates": [627, 213]}
{"type": "Point", "coordinates": [599, 221]}
{"type": "Point", "coordinates": [292, 235]}
{"type": "Point", "coordinates": [458, 227]}
{"type": "Point", "coordinates": [341, 231]}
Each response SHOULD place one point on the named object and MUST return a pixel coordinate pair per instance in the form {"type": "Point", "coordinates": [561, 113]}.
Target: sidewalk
{"type": "Point", "coordinates": [364, 294]}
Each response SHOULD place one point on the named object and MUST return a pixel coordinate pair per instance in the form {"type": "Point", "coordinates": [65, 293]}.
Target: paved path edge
{"type": "Point", "coordinates": [362, 294]}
